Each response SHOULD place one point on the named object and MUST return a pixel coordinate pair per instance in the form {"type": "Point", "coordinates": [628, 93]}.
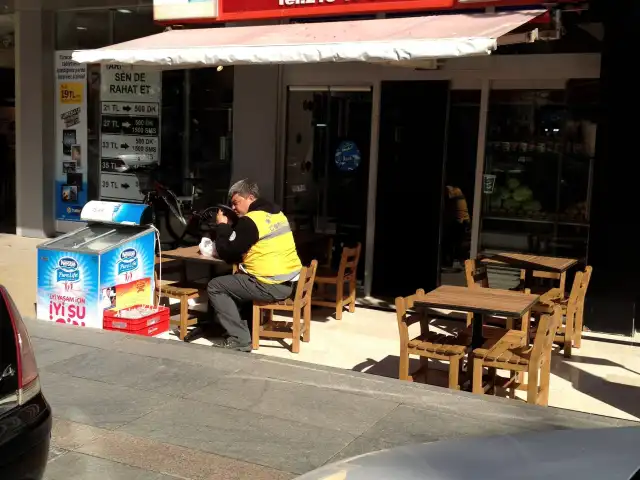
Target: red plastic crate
{"type": "Point", "coordinates": [148, 326]}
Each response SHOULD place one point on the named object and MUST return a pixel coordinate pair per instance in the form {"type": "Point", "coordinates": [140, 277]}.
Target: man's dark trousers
{"type": "Point", "coordinates": [229, 292]}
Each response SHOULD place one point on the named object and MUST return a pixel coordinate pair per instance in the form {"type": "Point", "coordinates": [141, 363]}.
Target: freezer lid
{"type": "Point", "coordinates": [78, 239]}
{"type": "Point", "coordinates": [95, 238]}
{"type": "Point", "coordinates": [116, 237]}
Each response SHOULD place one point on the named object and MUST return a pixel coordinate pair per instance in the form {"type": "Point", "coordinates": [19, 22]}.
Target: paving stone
{"type": "Point", "coordinates": [281, 444]}
{"type": "Point", "coordinates": [146, 373]}
{"type": "Point", "coordinates": [175, 460]}
{"type": "Point", "coordinates": [49, 352]}
{"type": "Point", "coordinates": [312, 405]}
{"type": "Point", "coordinates": [95, 403]}
{"type": "Point", "coordinates": [71, 435]}
{"type": "Point", "coordinates": [76, 466]}
{"type": "Point", "coordinates": [187, 352]}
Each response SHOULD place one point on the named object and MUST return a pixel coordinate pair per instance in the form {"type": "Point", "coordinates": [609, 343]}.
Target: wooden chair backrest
{"type": "Point", "coordinates": [547, 329]}
{"type": "Point", "coordinates": [575, 295]}
{"type": "Point", "coordinates": [477, 275]}
{"type": "Point", "coordinates": [541, 274]}
{"type": "Point", "coordinates": [584, 285]}
{"type": "Point", "coordinates": [349, 262]}
{"type": "Point", "coordinates": [305, 283]}
{"type": "Point", "coordinates": [403, 305]}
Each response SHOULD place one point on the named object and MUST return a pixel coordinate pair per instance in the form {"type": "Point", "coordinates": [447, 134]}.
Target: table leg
{"type": "Point", "coordinates": [526, 320]}
{"type": "Point", "coordinates": [183, 272]}
{"type": "Point", "coordinates": [476, 334]}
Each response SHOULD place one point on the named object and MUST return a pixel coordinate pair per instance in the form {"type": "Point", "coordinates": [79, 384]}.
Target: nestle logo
{"type": "Point", "coordinates": [128, 255]}
{"type": "Point", "coordinates": [68, 264]}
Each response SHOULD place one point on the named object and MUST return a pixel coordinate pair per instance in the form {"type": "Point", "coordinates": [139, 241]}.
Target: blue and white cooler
{"type": "Point", "coordinates": [107, 264]}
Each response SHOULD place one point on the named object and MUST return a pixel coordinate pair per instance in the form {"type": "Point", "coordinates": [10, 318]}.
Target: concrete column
{"type": "Point", "coordinates": [255, 117]}
{"type": "Point", "coordinates": [35, 154]}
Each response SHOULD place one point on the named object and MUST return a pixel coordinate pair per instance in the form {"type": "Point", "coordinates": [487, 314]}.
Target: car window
{"type": "Point", "coordinates": [8, 361]}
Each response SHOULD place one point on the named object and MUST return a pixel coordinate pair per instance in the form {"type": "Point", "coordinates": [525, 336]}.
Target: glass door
{"type": "Point", "coordinates": [327, 162]}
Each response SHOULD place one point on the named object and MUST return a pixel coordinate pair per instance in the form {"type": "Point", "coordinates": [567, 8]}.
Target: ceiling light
{"type": "Point", "coordinates": [82, 28]}
{"type": "Point", "coordinates": [219, 68]}
{"type": "Point", "coordinates": [124, 10]}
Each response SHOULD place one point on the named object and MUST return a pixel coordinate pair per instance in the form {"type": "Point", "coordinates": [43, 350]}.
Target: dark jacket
{"type": "Point", "coordinates": [231, 248]}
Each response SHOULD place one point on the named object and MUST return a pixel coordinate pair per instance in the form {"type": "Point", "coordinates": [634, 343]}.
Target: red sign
{"type": "Point", "coordinates": [230, 10]}
{"type": "Point", "coordinates": [245, 10]}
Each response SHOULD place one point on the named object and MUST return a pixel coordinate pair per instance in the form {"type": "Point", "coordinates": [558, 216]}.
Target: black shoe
{"type": "Point", "coordinates": [230, 344]}
{"type": "Point", "coordinates": [197, 332]}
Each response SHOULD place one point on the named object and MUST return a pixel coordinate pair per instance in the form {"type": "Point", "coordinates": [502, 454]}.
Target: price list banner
{"type": "Point", "coordinates": [130, 128]}
{"type": "Point", "coordinates": [71, 137]}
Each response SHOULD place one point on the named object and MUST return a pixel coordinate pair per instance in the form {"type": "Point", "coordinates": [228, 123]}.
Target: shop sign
{"type": "Point", "coordinates": [184, 10]}
{"type": "Point", "coordinates": [233, 10]}
{"type": "Point", "coordinates": [123, 186]}
{"type": "Point", "coordinates": [211, 11]}
{"type": "Point", "coordinates": [129, 128]}
{"type": "Point", "coordinates": [71, 137]}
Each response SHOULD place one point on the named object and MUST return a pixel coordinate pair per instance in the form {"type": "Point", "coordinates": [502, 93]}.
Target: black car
{"type": "Point", "coordinates": [25, 415]}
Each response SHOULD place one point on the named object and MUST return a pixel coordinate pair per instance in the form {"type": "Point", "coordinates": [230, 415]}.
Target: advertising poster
{"type": "Point", "coordinates": [126, 274]}
{"type": "Point", "coordinates": [129, 129]}
{"type": "Point", "coordinates": [68, 288]}
{"type": "Point", "coordinates": [71, 137]}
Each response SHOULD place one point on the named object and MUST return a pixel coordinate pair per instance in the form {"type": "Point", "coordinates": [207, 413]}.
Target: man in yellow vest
{"type": "Point", "coordinates": [261, 244]}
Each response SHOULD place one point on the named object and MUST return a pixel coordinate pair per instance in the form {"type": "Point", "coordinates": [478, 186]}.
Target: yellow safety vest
{"type": "Point", "coordinates": [273, 258]}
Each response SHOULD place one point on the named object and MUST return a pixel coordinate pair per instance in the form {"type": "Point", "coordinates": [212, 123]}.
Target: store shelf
{"type": "Point", "coordinates": [537, 220]}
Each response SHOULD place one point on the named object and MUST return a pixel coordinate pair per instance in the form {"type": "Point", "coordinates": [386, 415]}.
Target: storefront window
{"type": "Point", "coordinates": [460, 172]}
{"type": "Point", "coordinates": [133, 22]}
{"type": "Point", "coordinates": [539, 150]}
{"type": "Point", "coordinates": [199, 117]}
{"type": "Point", "coordinates": [327, 162]}
{"type": "Point", "coordinates": [83, 29]}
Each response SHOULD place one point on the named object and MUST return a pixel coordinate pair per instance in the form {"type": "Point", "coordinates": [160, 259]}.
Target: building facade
{"type": "Point", "coordinates": [529, 135]}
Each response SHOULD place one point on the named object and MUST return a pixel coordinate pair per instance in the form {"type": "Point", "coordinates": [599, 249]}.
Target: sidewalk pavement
{"type": "Point", "coordinates": [129, 407]}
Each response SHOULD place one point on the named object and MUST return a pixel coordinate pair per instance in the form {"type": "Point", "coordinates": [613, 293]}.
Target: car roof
{"type": "Point", "coordinates": [610, 453]}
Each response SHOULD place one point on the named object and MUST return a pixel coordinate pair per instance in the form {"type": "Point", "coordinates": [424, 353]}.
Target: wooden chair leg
{"type": "Point", "coordinates": [568, 337]}
{"type": "Point", "coordinates": [577, 329]}
{"type": "Point", "coordinates": [339, 301]}
{"type": "Point", "coordinates": [403, 373]}
{"type": "Point", "coordinates": [255, 334]}
{"type": "Point", "coordinates": [295, 344]}
{"type": "Point", "coordinates": [532, 384]}
{"type": "Point", "coordinates": [545, 379]}
{"type": "Point", "coordinates": [477, 376]}
{"type": "Point", "coordinates": [184, 316]}
{"type": "Point", "coordinates": [306, 336]}
{"type": "Point", "coordinates": [352, 296]}
{"type": "Point", "coordinates": [454, 373]}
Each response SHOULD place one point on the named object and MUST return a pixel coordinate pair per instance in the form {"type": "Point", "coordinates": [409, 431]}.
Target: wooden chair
{"type": "Point", "coordinates": [478, 277]}
{"type": "Point", "coordinates": [346, 274]}
{"type": "Point", "coordinates": [541, 275]}
{"type": "Point", "coordinates": [570, 332]}
{"type": "Point", "coordinates": [299, 305]}
{"type": "Point", "coordinates": [476, 274]}
{"type": "Point", "coordinates": [508, 354]}
{"type": "Point", "coordinates": [437, 346]}
{"type": "Point", "coordinates": [182, 292]}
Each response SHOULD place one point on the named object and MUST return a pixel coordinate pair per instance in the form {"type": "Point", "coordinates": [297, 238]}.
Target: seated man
{"type": "Point", "coordinates": [262, 245]}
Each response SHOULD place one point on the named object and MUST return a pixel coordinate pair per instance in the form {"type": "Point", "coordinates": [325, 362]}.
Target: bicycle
{"type": "Point", "coordinates": [160, 198]}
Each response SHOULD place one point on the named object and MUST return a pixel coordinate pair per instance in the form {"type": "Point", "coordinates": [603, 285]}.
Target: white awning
{"type": "Point", "coordinates": [383, 40]}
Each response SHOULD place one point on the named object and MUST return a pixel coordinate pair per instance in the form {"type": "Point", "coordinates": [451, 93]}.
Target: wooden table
{"type": "Point", "coordinates": [481, 302]}
{"type": "Point", "coordinates": [530, 263]}
{"type": "Point", "coordinates": [192, 254]}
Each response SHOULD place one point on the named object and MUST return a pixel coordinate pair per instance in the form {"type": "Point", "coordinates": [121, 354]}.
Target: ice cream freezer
{"type": "Point", "coordinates": [107, 264]}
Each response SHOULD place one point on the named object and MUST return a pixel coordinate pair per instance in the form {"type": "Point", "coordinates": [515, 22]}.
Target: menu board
{"type": "Point", "coordinates": [129, 129]}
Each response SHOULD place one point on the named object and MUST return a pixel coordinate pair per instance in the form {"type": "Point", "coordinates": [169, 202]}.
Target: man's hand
{"type": "Point", "coordinates": [221, 217]}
